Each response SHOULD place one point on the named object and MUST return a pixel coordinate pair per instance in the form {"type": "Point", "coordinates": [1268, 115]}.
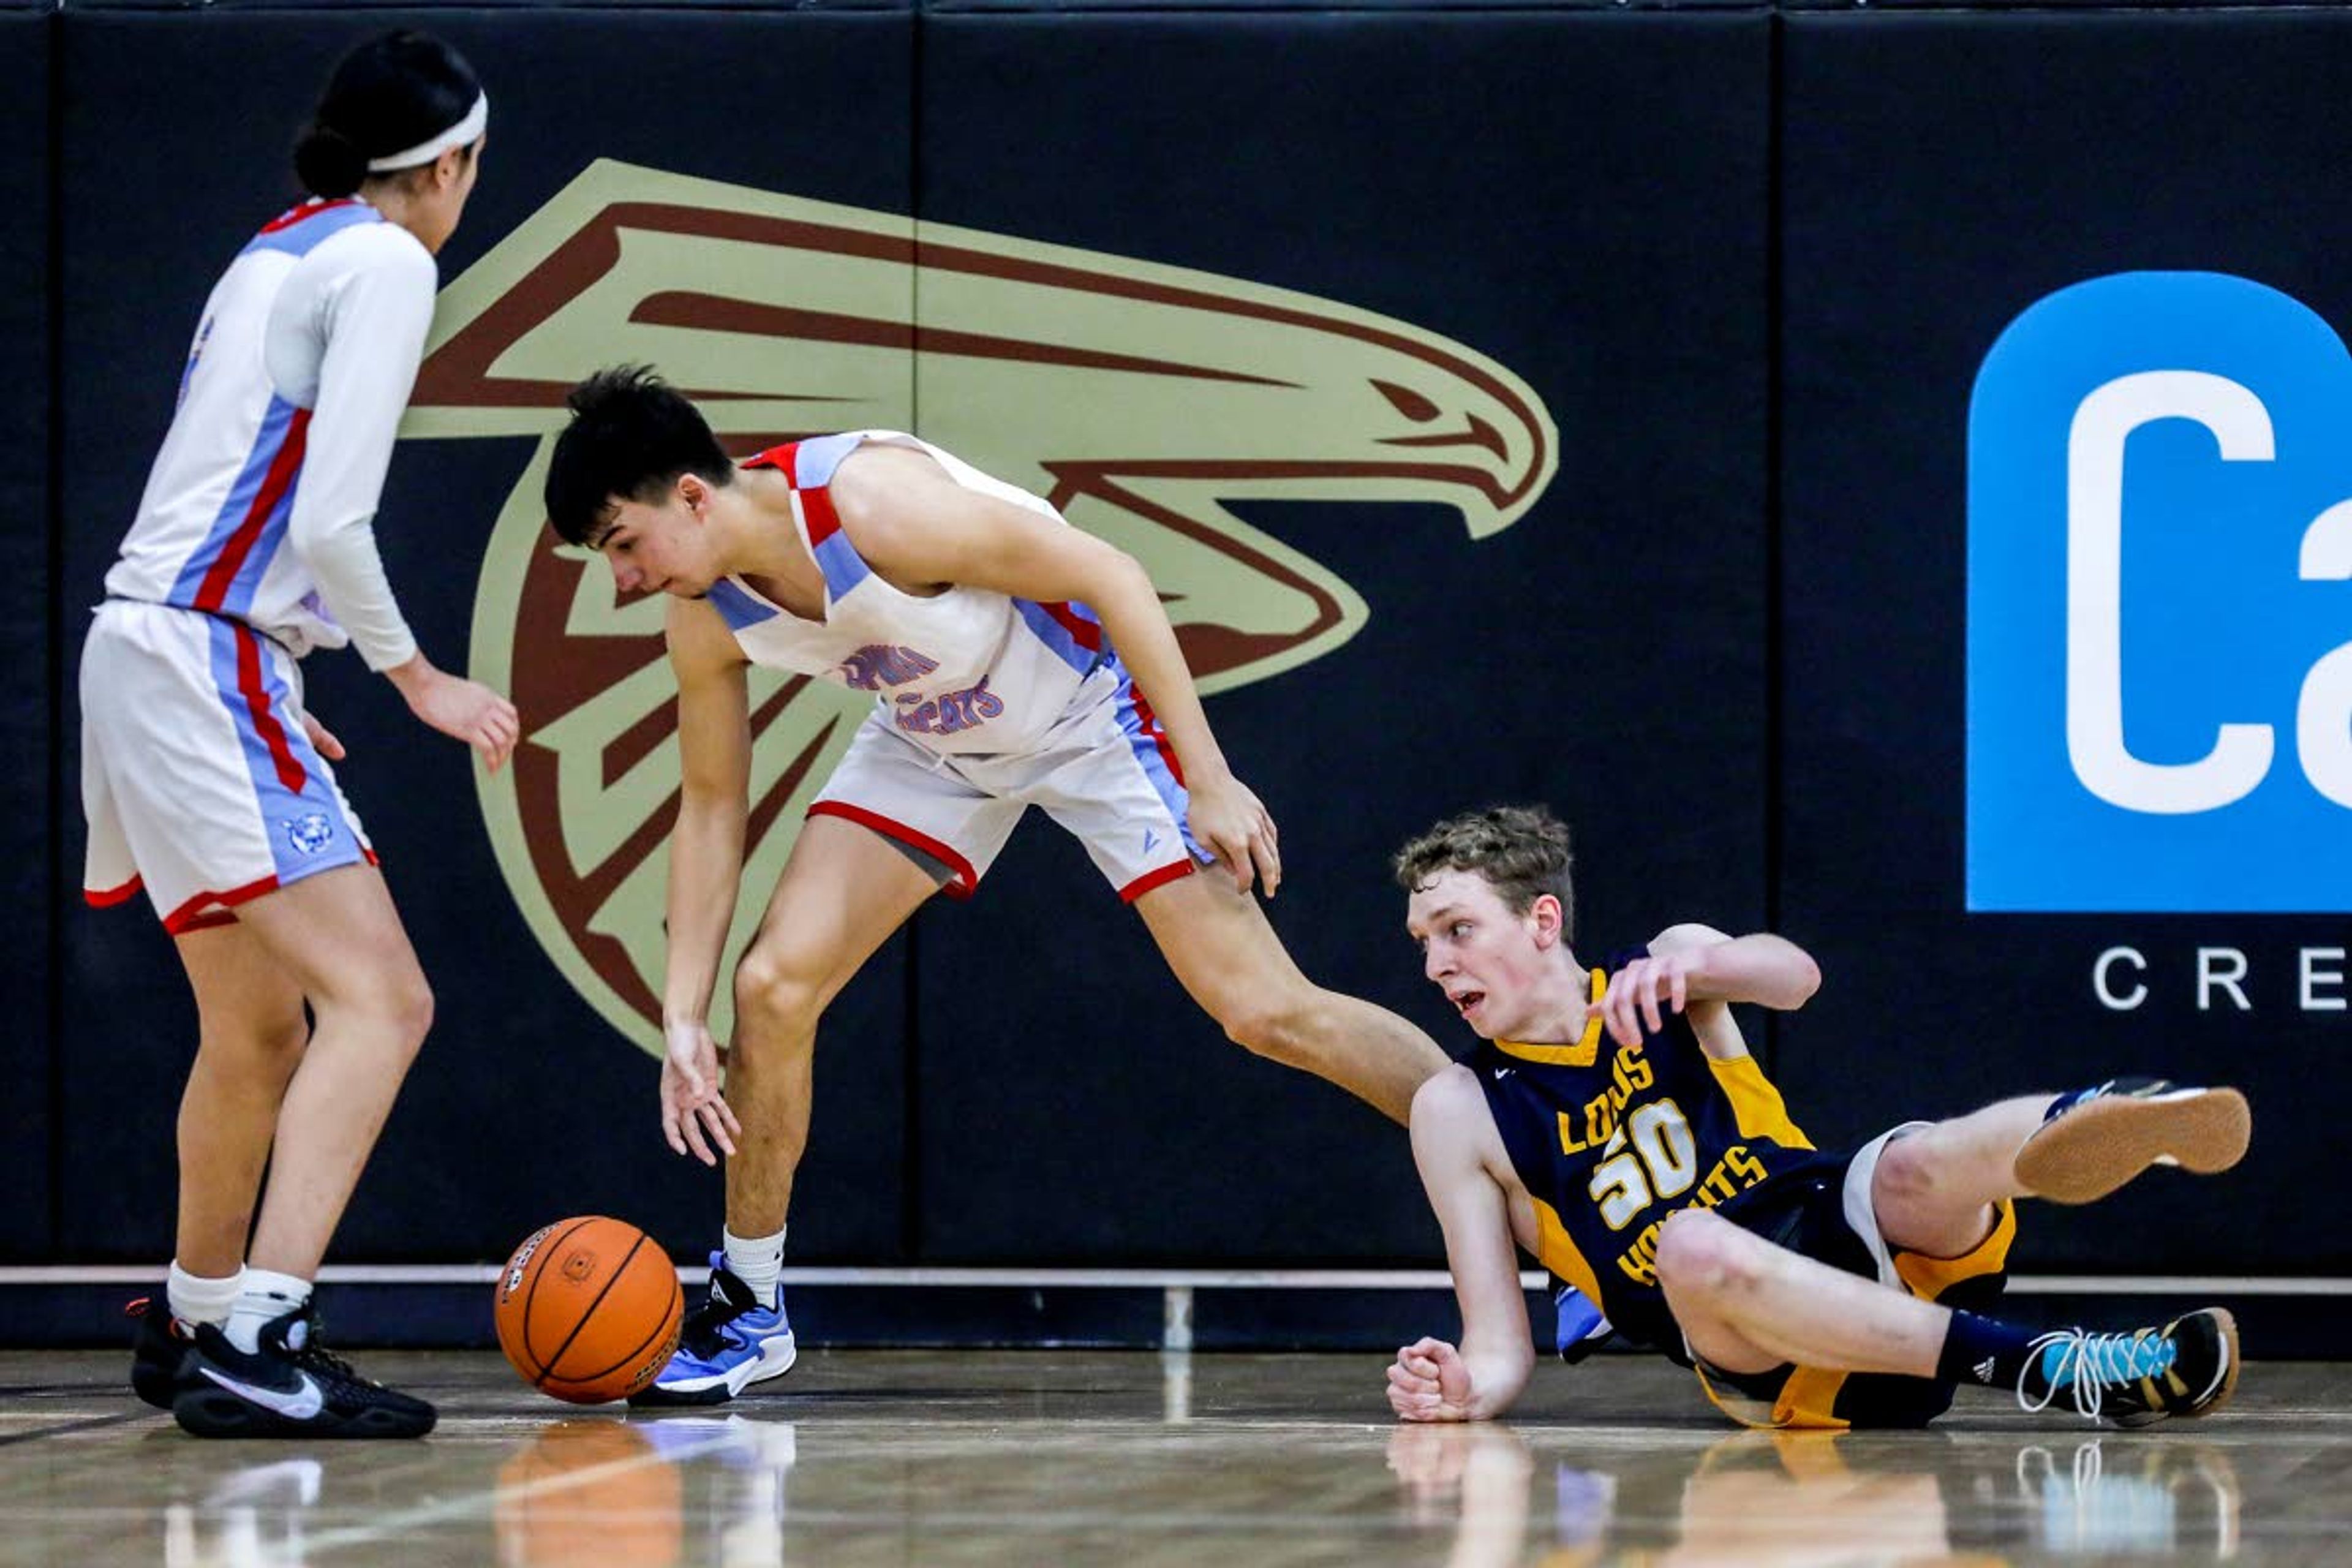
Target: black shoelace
{"type": "Point", "coordinates": [705, 1332]}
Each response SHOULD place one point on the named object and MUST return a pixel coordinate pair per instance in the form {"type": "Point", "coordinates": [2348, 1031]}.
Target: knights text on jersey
{"type": "Point", "coordinates": [1610, 1139]}
{"type": "Point", "coordinates": [967, 670]}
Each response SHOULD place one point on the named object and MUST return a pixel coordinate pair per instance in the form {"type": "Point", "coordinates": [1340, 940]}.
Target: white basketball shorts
{"type": "Point", "coordinates": [1105, 771]}
{"type": "Point", "coordinates": [197, 778]}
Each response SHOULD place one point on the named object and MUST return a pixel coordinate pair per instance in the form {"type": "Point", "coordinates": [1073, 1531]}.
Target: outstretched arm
{"type": "Point", "coordinates": [706, 869]}
{"type": "Point", "coordinates": [1458, 1151]}
{"type": "Point", "coordinates": [914, 524]}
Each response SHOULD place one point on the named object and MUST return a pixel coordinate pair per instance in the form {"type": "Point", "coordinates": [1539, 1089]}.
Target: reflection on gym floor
{"type": "Point", "coordinates": [1134, 1459]}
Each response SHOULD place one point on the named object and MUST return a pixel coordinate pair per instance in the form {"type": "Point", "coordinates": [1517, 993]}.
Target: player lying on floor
{"type": "Point", "coordinates": [1614, 1125]}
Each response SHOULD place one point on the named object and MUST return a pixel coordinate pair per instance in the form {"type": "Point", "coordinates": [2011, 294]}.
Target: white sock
{"type": "Point", "coordinates": [756, 1260]}
{"type": "Point", "coordinates": [266, 1296]}
{"type": "Point", "coordinates": [194, 1299]}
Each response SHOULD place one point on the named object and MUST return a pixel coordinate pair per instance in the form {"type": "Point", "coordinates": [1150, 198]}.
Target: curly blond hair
{"type": "Point", "coordinates": [1522, 850]}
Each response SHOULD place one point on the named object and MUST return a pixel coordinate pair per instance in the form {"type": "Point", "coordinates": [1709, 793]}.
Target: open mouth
{"type": "Point", "coordinates": [1467, 1001]}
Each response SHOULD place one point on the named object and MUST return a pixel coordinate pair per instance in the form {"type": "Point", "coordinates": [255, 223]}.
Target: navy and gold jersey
{"type": "Point", "coordinates": [1609, 1139]}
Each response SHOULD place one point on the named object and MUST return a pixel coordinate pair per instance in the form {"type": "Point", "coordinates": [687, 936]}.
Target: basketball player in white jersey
{"type": "Point", "coordinates": [1016, 662]}
{"type": "Point", "coordinates": [206, 781]}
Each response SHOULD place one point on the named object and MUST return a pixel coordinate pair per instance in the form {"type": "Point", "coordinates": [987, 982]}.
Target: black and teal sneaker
{"type": "Point", "coordinates": [2188, 1368]}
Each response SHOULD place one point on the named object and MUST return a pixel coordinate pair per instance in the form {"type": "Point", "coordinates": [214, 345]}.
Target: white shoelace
{"type": "Point", "coordinates": [2088, 1363]}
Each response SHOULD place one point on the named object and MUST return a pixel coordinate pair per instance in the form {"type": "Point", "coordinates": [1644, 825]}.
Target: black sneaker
{"type": "Point", "coordinates": [2093, 1140]}
{"type": "Point", "coordinates": [159, 1344]}
{"type": "Point", "coordinates": [291, 1386]}
{"type": "Point", "coordinates": [2188, 1368]}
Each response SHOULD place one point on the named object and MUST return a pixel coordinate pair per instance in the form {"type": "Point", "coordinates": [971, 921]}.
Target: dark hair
{"type": "Point", "coordinates": [1522, 850]}
{"type": "Point", "coordinates": [391, 93]}
{"type": "Point", "coordinates": [630, 436]}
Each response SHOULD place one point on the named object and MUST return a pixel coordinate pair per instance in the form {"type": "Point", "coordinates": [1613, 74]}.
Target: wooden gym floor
{"type": "Point", "coordinates": [1137, 1460]}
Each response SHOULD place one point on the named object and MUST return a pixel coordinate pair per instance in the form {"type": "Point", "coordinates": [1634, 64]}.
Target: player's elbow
{"type": "Point", "coordinates": [1804, 978]}
{"type": "Point", "coordinates": [1444, 1101]}
{"type": "Point", "coordinates": [1112, 576]}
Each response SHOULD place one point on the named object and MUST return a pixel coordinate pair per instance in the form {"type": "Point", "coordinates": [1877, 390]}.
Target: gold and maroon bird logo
{"type": "Point", "coordinates": [1141, 400]}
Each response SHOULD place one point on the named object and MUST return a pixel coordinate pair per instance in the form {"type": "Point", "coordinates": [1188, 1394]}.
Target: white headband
{"type": "Point", "coordinates": [462, 134]}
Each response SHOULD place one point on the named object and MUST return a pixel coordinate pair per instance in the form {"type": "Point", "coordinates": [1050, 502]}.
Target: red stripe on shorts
{"type": "Point", "coordinates": [1150, 720]}
{"type": "Point", "coordinates": [212, 909]}
{"type": "Point", "coordinates": [107, 898]}
{"type": "Point", "coordinates": [265, 722]}
{"type": "Point", "coordinates": [961, 884]}
{"type": "Point", "coordinates": [1159, 878]}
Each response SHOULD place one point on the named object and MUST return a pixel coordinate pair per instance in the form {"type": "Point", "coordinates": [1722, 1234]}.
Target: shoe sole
{"type": "Point", "coordinates": [153, 1384]}
{"type": "Point", "coordinates": [2221, 1396]}
{"type": "Point", "coordinates": [776, 1357]}
{"type": "Point", "coordinates": [2098, 1146]}
{"type": "Point", "coordinates": [211, 1412]}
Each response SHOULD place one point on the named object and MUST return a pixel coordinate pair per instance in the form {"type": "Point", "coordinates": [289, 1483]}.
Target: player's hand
{"type": "Point", "coordinates": [1232, 824]}
{"type": "Point", "coordinates": [694, 1115]}
{"type": "Point", "coordinates": [322, 739]}
{"type": "Point", "coordinates": [1634, 993]}
{"type": "Point", "coordinates": [1429, 1382]}
{"type": "Point", "coordinates": [460, 709]}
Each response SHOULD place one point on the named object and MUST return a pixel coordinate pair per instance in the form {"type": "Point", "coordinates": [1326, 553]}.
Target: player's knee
{"type": "Point", "coordinates": [775, 994]}
{"type": "Point", "coordinates": [270, 1045]}
{"type": "Point", "coordinates": [395, 1008]}
{"type": "Point", "coordinates": [1906, 1176]}
{"type": "Point", "coordinates": [409, 1006]}
{"type": "Point", "coordinates": [1702, 1255]}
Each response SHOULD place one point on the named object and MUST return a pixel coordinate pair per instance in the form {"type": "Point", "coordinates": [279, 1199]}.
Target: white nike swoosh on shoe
{"type": "Point", "coordinates": [776, 1356]}
{"type": "Point", "coordinates": [299, 1405]}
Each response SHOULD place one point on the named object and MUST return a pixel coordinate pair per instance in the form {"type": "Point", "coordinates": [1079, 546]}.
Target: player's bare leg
{"type": "Point", "coordinates": [1745, 1305]}
{"type": "Point", "coordinates": [1218, 943]}
{"type": "Point", "coordinates": [843, 891]}
{"type": "Point", "coordinates": [337, 937]}
{"type": "Point", "coordinates": [253, 1032]}
{"type": "Point", "coordinates": [1934, 1188]}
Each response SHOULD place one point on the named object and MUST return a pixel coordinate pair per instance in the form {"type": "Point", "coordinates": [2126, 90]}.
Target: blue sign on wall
{"type": "Point", "coordinates": [2159, 613]}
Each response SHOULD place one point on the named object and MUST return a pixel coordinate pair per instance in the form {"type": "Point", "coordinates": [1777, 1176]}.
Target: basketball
{"type": "Point", "coordinates": [588, 1309]}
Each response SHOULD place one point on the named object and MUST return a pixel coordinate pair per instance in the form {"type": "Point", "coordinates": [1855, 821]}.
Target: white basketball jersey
{"type": "Point", "coordinates": [966, 671]}
{"type": "Point", "coordinates": [260, 504]}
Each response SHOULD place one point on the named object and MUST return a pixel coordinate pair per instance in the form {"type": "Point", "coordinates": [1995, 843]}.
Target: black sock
{"type": "Point", "coordinates": [1983, 1350]}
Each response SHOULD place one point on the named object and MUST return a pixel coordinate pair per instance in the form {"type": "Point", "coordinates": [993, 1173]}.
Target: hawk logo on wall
{"type": "Point", "coordinates": [1141, 400]}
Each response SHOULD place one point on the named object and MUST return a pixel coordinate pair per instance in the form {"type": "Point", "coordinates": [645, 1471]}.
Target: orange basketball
{"type": "Point", "coordinates": [588, 1309]}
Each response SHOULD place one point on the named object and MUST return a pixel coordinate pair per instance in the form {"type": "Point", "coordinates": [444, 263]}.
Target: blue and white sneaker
{"type": "Point", "coordinates": [2095, 1139]}
{"type": "Point", "coordinates": [727, 1345]}
{"type": "Point", "coordinates": [1580, 1327]}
